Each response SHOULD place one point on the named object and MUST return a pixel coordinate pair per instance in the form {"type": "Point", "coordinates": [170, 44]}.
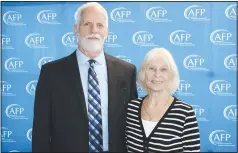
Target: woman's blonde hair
{"type": "Point", "coordinates": [168, 58]}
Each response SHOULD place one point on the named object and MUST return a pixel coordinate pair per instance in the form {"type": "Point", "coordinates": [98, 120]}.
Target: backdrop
{"type": "Point", "coordinates": [202, 37]}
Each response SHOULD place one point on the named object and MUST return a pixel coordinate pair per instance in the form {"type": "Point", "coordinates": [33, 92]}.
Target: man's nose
{"type": "Point", "coordinates": [94, 29]}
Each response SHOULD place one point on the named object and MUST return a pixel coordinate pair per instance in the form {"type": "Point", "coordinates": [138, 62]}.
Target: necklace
{"type": "Point", "coordinates": [151, 117]}
{"type": "Point", "coordinates": [147, 114]}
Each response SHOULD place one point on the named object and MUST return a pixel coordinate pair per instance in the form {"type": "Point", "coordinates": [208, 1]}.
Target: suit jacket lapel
{"type": "Point", "coordinates": [76, 82]}
{"type": "Point", "coordinates": [112, 84]}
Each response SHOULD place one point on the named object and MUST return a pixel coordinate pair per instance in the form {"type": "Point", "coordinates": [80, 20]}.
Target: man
{"type": "Point", "coordinates": [81, 99]}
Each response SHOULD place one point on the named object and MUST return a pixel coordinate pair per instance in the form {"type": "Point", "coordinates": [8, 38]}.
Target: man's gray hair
{"type": "Point", "coordinates": [78, 14]}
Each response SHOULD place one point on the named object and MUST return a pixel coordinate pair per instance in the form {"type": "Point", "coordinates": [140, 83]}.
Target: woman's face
{"type": "Point", "coordinates": [157, 75]}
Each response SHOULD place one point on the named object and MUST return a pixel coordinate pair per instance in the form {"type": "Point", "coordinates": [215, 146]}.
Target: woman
{"type": "Point", "coordinates": [159, 122]}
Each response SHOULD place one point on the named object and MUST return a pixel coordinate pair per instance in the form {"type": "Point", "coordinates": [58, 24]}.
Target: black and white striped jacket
{"type": "Point", "coordinates": [177, 130]}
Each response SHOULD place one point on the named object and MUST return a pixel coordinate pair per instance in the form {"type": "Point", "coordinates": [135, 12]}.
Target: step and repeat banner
{"type": "Point", "coordinates": [202, 36]}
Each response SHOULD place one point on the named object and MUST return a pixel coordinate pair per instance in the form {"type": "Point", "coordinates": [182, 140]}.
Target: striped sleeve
{"type": "Point", "coordinates": [190, 134]}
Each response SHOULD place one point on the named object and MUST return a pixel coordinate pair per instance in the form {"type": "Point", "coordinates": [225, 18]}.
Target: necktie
{"type": "Point", "coordinates": [94, 111]}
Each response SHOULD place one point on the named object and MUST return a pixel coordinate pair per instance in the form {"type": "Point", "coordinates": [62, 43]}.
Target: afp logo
{"type": "Point", "coordinates": [124, 58]}
{"type": "Point", "coordinates": [14, 151]}
{"type": "Point", "coordinates": [70, 40]}
{"type": "Point", "coordinates": [194, 63]}
{"type": "Point", "coordinates": [29, 134]}
{"type": "Point", "coordinates": [231, 12]}
{"type": "Point", "coordinates": [111, 40]}
{"type": "Point", "coordinates": [121, 15]}
{"type": "Point", "coordinates": [199, 112]}
{"type": "Point", "coordinates": [157, 14]}
{"type": "Point", "coordinates": [6, 42]}
{"type": "Point", "coordinates": [13, 18]}
{"type": "Point", "coordinates": [140, 91]}
{"type": "Point", "coordinates": [221, 88]}
{"type": "Point", "coordinates": [195, 13]}
{"type": "Point", "coordinates": [14, 64]}
{"type": "Point", "coordinates": [31, 87]}
{"type": "Point", "coordinates": [45, 60]}
{"type": "Point", "coordinates": [47, 17]}
{"type": "Point", "coordinates": [221, 37]}
{"type": "Point", "coordinates": [181, 38]}
{"type": "Point", "coordinates": [7, 135]}
{"type": "Point", "coordinates": [15, 111]}
{"type": "Point", "coordinates": [184, 89]}
{"type": "Point", "coordinates": [220, 138]}
{"type": "Point", "coordinates": [6, 89]}
{"type": "Point", "coordinates": [143, 38]}
{"type": "Point", "coordinates": [230, 62]}
{"type": "Point", "coordinates": [230, 112]}
{"type": "Point", "coordinates": [35, 40]}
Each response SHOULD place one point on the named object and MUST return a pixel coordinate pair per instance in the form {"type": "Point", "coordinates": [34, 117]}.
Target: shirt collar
{"type": "Point", "coordinates": [83, 59]}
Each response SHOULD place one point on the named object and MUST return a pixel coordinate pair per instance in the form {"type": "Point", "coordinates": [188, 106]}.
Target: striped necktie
{"type": "Point", "coordinates": [94, 111]}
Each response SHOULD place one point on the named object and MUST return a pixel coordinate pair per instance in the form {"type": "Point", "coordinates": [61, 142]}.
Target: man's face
{"type": "Point", "coordinates": [92, 29]}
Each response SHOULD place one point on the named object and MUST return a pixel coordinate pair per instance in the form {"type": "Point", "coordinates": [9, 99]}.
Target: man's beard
{"type": "Point", "coordinates": [91, 45]}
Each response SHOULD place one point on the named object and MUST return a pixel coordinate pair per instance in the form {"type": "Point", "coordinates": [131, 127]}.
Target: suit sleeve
{"type": "Point", "coordinates": [134, 94]}
{"type": "Point", "coordinates": [191, 134]}
{"type": "Point", "coordinates": [41, 131]}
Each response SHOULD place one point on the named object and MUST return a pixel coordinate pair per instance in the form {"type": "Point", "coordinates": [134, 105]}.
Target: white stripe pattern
{"type": "Point", "coordinates": [176, 114]}
{"type": "Point", "coordinates": [172, 124]}
{"type": "Point", "coordinates": [132, 114]}
{"type": "Point", "coordinates": [134, 129]}
{"type": "Point", "coordinates": [133, 105]}
{"type": "Point", "coordinates": [174, 119]}
{"type": "Point", "coordinates": [176, 131]}
{"type": "Point", "coordinates": [132, 119]}
{"type": "Point", "coordinates": [156, 138]}
{"type": "Point", "coordinates": [169, 129]}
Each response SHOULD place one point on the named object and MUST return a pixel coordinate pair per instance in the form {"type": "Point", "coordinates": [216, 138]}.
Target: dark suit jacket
{"type": "Point", "coordinates": [60, 121]}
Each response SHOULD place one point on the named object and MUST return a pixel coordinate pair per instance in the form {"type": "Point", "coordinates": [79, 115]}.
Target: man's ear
{"type": "Point", "coordinates": [106, 34]}
{"type": "Point", "coordinates": [76, 29]}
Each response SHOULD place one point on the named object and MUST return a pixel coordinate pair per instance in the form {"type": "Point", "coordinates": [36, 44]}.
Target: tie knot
{"type": "Point", "coordinates": [91, 61]}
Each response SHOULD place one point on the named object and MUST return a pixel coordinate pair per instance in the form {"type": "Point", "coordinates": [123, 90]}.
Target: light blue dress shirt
{"type": "Point", "coordinates": [100, 68]}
